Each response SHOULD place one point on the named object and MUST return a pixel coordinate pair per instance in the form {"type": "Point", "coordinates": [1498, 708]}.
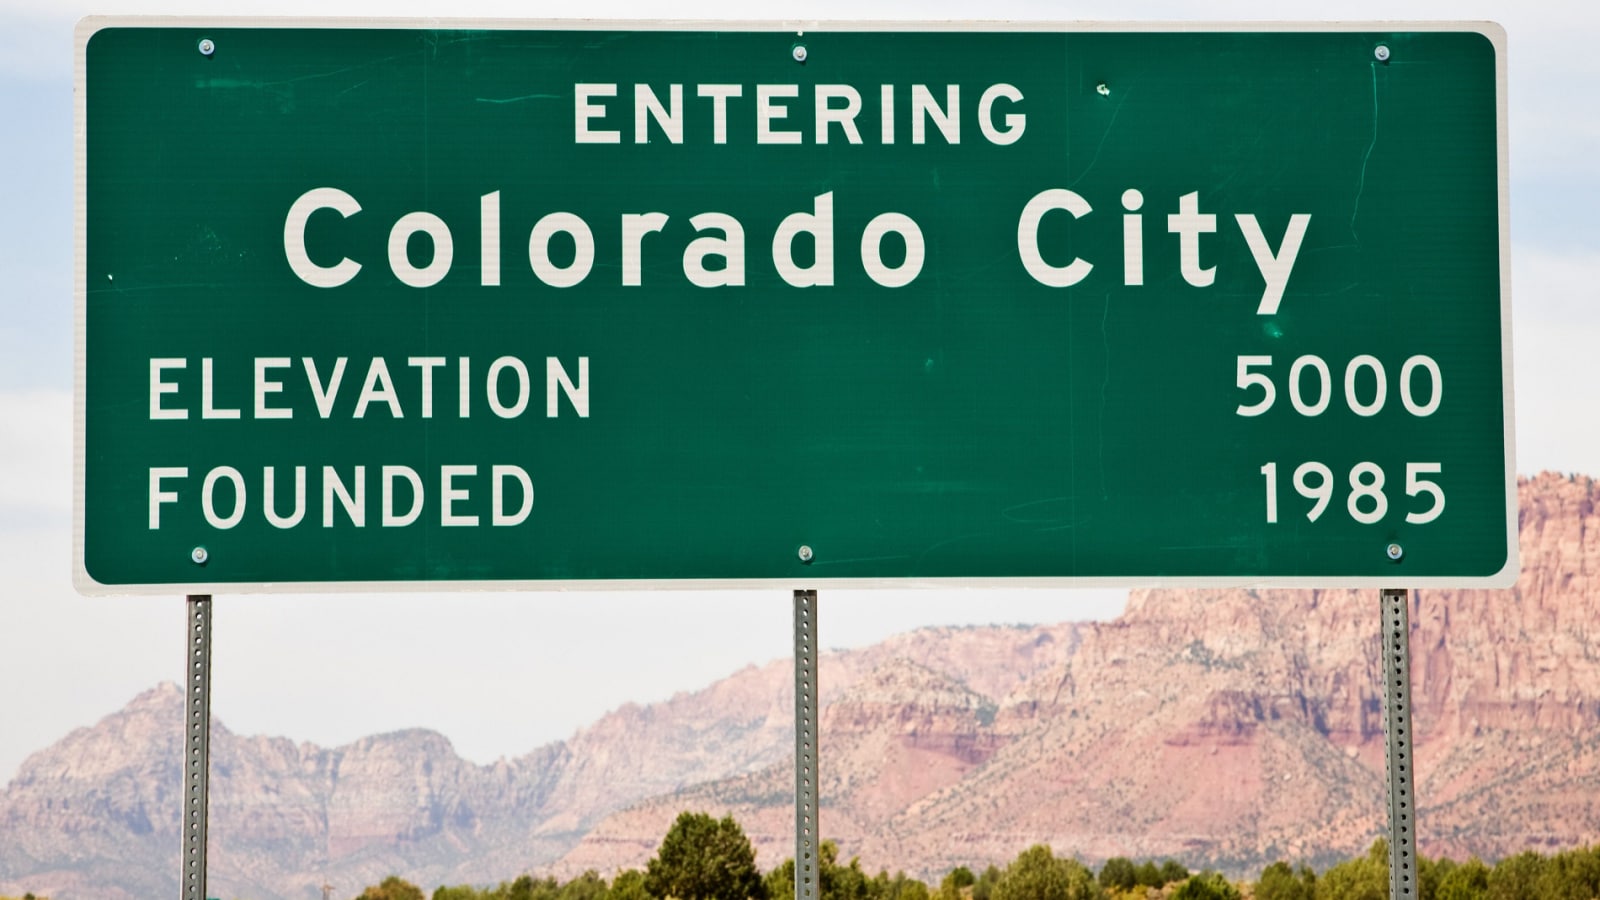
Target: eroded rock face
{"type": "Point", "coordinates": [1237, 727]}
{"type": "Point", "coordinates": [1221, 727]}
{"type": "Point", "coordinates": [97, 814]}
{"type": "Point", "coordinates": [101, 808]}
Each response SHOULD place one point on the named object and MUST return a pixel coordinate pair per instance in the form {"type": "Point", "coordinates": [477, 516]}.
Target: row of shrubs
{"type": "Point", "coordinates": [702, 858]}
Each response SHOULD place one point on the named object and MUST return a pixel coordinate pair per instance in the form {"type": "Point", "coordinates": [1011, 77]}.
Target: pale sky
{"type": "Point", "coordinates": [501, 673]}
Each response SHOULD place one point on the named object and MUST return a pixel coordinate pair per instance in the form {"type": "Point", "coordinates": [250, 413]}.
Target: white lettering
{"type": "Point", "coordinates": [265, 387]}
{"type": "Point", "coordinates": [769, 110]}
{"type": "Point", "coordinates": [1015, 123]}
{"type": "Point", "coordinates": [819, 224]}
{"type": "Point", "coordinates": [378, 387]}
{"type": "Point", "coordinates": [501, 473]}
{"type": "Point", "coordinates": [324, 395]}
{"type": "Point", "coordinates": [539, 249]}
{"type": "Point", "coordinates": [294, 237]}
{"type": "Point", "coordinates": [208, 408]}
{"type": "Point", "coordinates": [1188, 223]}
{"type": "Point", "coordinates": [426, 364]}
{"type": "Point", "coordinates": [730, 247]}
{"type": "Point", "coordinates": [1028, 238]}
{"type": "Point", "coordinates": [872, 250]}
{"type": "Point", "coordinates": [443, 249]}
{"type": "Point", "coordinates": [634, 227]}
{"type": "Point", "coordinates": [843, 116]}
{"type": "Point", "coordinates": [1276, 267]}
{"type": "Point", "coordinates": [556, 377]}
{"type": "Point", "coordinates": [585, 109]}
{"type": "Point", "coordinates": [489, 239]}
{"type": "Point", "coordinates": [448, 495]}
{"type": "Point", "coordinates": [208, 492]}
{"type": "Point", "coordinates": [354, 506]}
{"type": "Point", "coordinates": [886, 101]}
{"type": "Point", "coordinates": [1132, 238]}
{"type": "Point", "coordinates": [390, 473]}
{"type": "Point", "coordinates": [269, 498]}
{"type": "Point", "coordinates": [159, 496]}
{"type": "Point", "coordinates": [647, 106]}
{"type": "Point", "coordinates": [521, 371]}
{"type": "Point", "coordinates": [925, 109]}
{"type": "Point", "coordinates": [159, 387]}
{"type": "Point", "coordinates": [719, 94]}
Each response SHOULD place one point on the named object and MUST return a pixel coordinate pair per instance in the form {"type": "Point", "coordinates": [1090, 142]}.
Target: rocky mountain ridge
{"type": "Point", "coordinates": [1232, 728]}
{"type": "Point", "coordinates": [96, 814]}
{"type": "Point", "coordinates": [1225, 728]}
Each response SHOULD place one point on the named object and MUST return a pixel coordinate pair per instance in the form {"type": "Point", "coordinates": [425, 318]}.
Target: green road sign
{"type": "Point", "coordinates": [541, 306]}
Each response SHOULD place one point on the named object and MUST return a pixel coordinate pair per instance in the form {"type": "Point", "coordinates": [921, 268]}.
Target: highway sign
{"type": "Point", "coordinates": [523, 305]}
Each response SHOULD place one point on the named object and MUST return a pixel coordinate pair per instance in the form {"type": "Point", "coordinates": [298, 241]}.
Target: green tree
{"type": "Point", "coordinates": [1037, 874]}
{"type": "Point", "coordinates": [950, 886]}
{"type": "Point", "coordinates": [629, 885]}
{"type": "Point", "coordinates": [392, 888]}
{"type": "Point", "coordinates": [702, 858]}
{"type": "Point", "coordinates": [880, 886]}
{"type": "Point", "coordinates": [1362, 878]}
{"type": "Point", "coordinates": [1171, 870]}
{"type": "Point", "coordinates": [1517, 877]}
{"type": "Point", "coordinates": [458, 892]}
{"type": "Point", "coordinates": [899, 887]}
{"type": "Point", "coordinates": [1572, 875]}
{"type": "Point", "coordinates": [779, 883]}
{"type": "Point", "coordinates": [847, 882]}
{"type": "Point", "coordinates": [1279, 882]}
{"type": "Point", "coordinates": [903, 888]}
{"type": "Point", "coordinates": [588, 886]}
{"type": "Point", "coordinates": [1429, 873]}
{"type": "Point", "coordinates": [1467, 881]}
{"type": "Point", "coordinates": [526, 887]}
{"type": "Point", "coordinates": [838, 882]}
{"type": "Point", "coordinates": [1207, 885]}
{"type": "Point", "coordinates": [983, 888]}
{"type": "Point", "coordinates": [1119, 874]}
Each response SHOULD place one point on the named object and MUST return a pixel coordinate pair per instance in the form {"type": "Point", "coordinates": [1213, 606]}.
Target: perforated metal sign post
{"type": "Point", "coordinates": [526, 305]}
{"type": "Point", "coordinates": [1399, 743]}
{"type": "Point", "coordinates": [196, 749]}
{"type": "Point", "coordinates": [807, 829]}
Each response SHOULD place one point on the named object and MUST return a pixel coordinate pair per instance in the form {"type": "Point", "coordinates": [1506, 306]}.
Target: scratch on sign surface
{"type": "Point", "coordinates": [498, 100]}
{"type": "Point", "coordinates": [1361, 185]}
{"type": "Point", "coordinates": [1104, 136]}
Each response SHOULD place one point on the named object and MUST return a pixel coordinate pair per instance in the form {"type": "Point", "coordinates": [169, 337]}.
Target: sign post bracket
{"type": "Point", "coordinates": [1399, 742]}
